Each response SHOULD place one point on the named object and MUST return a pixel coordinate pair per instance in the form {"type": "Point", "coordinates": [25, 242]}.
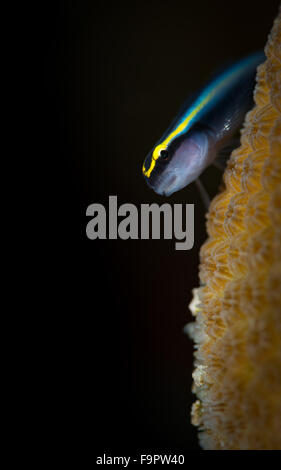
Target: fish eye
{"type": "Point", "coordinates": [164, 154]}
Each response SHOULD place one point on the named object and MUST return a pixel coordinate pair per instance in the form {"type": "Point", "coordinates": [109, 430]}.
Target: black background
{"type": "Point", "coordinates": [114, 76]}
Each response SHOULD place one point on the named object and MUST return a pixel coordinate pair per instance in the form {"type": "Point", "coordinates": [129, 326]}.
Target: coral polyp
{"type": "Point", "coordinates": [237, 330]}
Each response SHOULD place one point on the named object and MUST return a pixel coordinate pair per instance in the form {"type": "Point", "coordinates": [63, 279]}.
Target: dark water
{"type": "Point", "coordinates": [115, 75]}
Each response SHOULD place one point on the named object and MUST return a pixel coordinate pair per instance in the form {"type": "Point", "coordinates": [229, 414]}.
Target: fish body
{"type": "Point", "coordinates": [202, 128]}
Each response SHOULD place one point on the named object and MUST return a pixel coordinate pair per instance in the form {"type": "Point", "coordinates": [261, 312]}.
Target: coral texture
{"type": "Point", "coordinates": [237, 330]}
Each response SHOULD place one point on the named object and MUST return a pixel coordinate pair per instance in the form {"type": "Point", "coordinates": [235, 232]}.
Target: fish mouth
{"type": "Point", "coordinates": [166, 188]}
{"type": "Point", "coordinates": [162, 185]}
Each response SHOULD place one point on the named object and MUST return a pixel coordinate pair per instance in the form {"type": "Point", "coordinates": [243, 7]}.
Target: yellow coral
{"type": "Point", "coordinates": [237, 376]}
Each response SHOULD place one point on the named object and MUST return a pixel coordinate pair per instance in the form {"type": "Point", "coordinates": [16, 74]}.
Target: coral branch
{"type": "Point", "coordinates": [237, 331]}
